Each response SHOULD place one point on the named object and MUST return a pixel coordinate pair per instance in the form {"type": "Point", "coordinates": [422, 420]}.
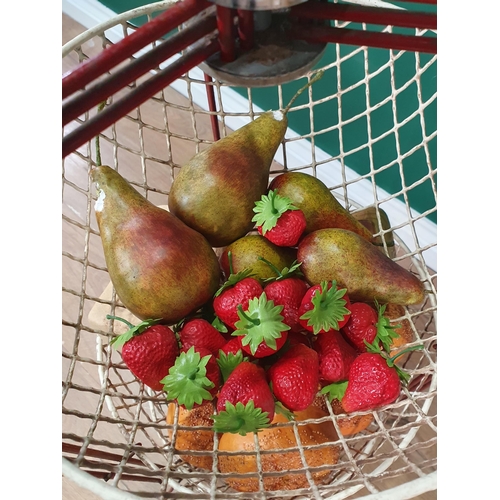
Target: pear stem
{"type": "Point", "coordinates": [97, 142]}
{"type": "Point", "coordinates": [313, 80]}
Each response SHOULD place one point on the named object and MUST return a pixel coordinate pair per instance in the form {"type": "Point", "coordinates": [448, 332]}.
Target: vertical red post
{"type": "Point", "coordinates": [227, 33]}
{"type": "Point", "coordinates": [212, 107]}
{"type": "Point", "coordinates": [245, 29]}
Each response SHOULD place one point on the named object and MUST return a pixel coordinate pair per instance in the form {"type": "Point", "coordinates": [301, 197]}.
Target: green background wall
{"type": "Point", "coordinates": [415, 166]}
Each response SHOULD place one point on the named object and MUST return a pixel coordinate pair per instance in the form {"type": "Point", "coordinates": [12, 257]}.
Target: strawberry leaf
{"type": "Point", "coordinates": [269, 209]}
{"type": "Point", "coordinates": [261, 322]}
{"type": "Point", "coordinates": [240, 419]}
{"type": "Point", "coordinates": [385, 331]}
{"type": "Point", "coordinates": [219, 325]}
{"type": "Point", "coordinates": [122, 339]}
{"type": "Point", "coordinates": [280, 408]}
{"type": "Point", "coordinates": [336, 390]}
{"type": "Point", "coordinates": [228, 362]}
{"type": "Point", "coordinates": [329, 308]}
{"type": "Point", "coordinates": [292, 271]}
{"type": "Point", "coordinates": [187, 381]}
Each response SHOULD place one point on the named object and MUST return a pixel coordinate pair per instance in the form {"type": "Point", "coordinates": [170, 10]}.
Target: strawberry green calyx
{"type": "Point", "coordinates": [329, 308]}
{"type": "Point", "coordinates": [233, 278]}
{"type": "Point", "coordinates": [228, 362]}
{"type": "Point", "coordinates": [280, 408]}
{"type": "Point", "coordinates": [336, 390]}
{"type": "Point", "coordinates": [240, 419]}
{"type": "Point", "coordinates": [291, 272]}
{"type": "Point", "coordinates": [122, 339]}
{"type": "Point", "coordinates": [187, 381]}
{"type": "Point", "coordinates": [261, 322]}
{"type": "Point", "coordinates": [403, 375]}
{"type": "Point", "coordinates": [269, 209]}
{"type": "Point", "coordinates": [385, 331]}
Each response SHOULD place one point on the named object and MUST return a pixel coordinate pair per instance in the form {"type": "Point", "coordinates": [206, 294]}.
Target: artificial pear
{"type": "Point", "coordinates": [215, 191]}
{"type": "Point", "coordinates": [321, 209]}
{"type": "Point", "coordinates": [246, 252]}
{"type": "Point", "coordinates": [159, 267]}
{"type": "Point", "coordinates": [354, 263]}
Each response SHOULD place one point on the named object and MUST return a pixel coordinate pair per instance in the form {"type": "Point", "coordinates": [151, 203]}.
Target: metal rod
{"type": "Point", "coordinates": [102, 90]}
{"type": "Point", "coordinates": [92, 68]}
{"type": "Point", "coordinates": [361, 14]}
{"type": "Point", "coordinates": [245, 29]}
{"type": "Point", "coordinates": [212, 107]}
{"type": "Point", "coordinates": [227, 35]}
{"type": "Point", "coordinates": [328, 34]}
{"type": "Point", "coordinates": [136, 97]}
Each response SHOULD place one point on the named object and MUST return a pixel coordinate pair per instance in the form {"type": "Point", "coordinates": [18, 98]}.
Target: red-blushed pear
{"type": "Point", "coordinates": [354, 263]}
{"type": "Point", "coordinates": [159, 267]}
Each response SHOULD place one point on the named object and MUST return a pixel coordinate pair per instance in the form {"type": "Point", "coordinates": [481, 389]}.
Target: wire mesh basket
{"type": "Point", "coordinates": [116, 441]}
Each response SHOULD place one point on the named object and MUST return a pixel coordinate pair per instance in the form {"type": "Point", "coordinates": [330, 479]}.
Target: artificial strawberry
{"type": "Point", "coordinates": [362, 325]}
{"type": "Point", "coordinates": [324, 307]}
{"type": "Point", "coordinates": [278, 220]}
{"type": "Point", "coordinates": [294, 377]}
{"type": "Point", "coordinates": [261, 327]}
{"type": "Point", "coordinates": [199, 332]}
{"type": "Point", "coordinates": [287, 290]}
{"type": "Point", "coordinates": [148, 349]}
{"type": "Point", "coordinates": [237, 290]}
{"type": "Point", "coordinates": [372, 383]}
{"type": "Point", "coordinates": [335, 356]}
{"type": "Point", "coordinates": [193, 379]}
{"type": "Point", "coordinates": [367, 325]}
{"type": "Point", "coordinates": [245, 402]}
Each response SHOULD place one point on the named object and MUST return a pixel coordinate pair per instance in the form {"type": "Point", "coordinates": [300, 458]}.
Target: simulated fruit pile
{"type": "Point", "coordinates": [293, 316]}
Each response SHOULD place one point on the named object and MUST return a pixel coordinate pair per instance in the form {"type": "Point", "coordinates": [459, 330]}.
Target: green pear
{"type": "Point", "coordinates": [159, 267]}
{"type": "Point", "coordinates": [321, 209]}
{"type": "Point", "coordinates": [354, 263]}
{"type": "Point", "coordinates": [245, 253]}
{"type": "Point", "coordinates": [215, 191]}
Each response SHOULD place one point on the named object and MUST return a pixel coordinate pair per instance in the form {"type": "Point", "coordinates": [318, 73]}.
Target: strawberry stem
{"type": "Point", "coordinates": [404, 351]}
{"type": "Point", "coordinates": [130, 325]}
{"type": "Point", "coordinates": [271, 265]}
{"type": "Point", "coordinates": [255, 321]}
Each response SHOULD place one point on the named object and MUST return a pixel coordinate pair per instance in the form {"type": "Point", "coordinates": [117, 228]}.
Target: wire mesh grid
{"type": "Point", "coordinates": [115, 429]}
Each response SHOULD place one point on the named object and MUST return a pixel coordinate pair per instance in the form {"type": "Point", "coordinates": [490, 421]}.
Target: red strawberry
{"type": "Point", "coordinates": [232, 346]}
{"type": "Point", "coordinates": [294, 377]}
{"type": "Point", "coordinates": [335, 356]}
{"type": "Point", "coordinates": [148, 350]}
{"type": "Point", "coordinates": [287, 290]}
{"type": "Point", "coordinates": [238, 289]}
{"type": "Point", "coordinates": [372, 383]}
{"type": "Point", "coordinates": [199, 332]}
{"type": "Point", "coordinates": [278, 220]}
{"type": "Point", "coordinates": [245, 402]}
{"type": "Point", "coordinates": [194, 378]}
{"type": "Point", "coordinates": [324, 307]}
{"type": "Point", "coordinates": [362, 325]}
{"type": "Point", "coordinates": [261, 327]}
{"type": "Point", "coordinates": [367, 325]}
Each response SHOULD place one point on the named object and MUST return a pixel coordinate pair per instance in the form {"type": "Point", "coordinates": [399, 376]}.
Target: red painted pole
{"type": "Point", "coordinates": [212, 107]}
{"type": "Point", "coordinates": [136, 97]}
{"type": "Point", "coordinates": [118, 80]}
{"type": "Point", "coordinates": [227, 33]}
{"type": "Point", "coordinates": [92, 68]}
{"type": "Point", "coordinates": [245, 29]}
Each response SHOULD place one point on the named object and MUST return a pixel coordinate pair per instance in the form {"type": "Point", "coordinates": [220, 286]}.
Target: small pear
{"type": "Point", "coordinates": [215, 191]}
{"type": "Point", "coordinates": [245, 253]}
{"type": "Point", "coordinates": [160, 268]}
{"type": "Point", "coordinates": [354, 263]}
{"type": "Point", "coordinates": [321, 209]}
